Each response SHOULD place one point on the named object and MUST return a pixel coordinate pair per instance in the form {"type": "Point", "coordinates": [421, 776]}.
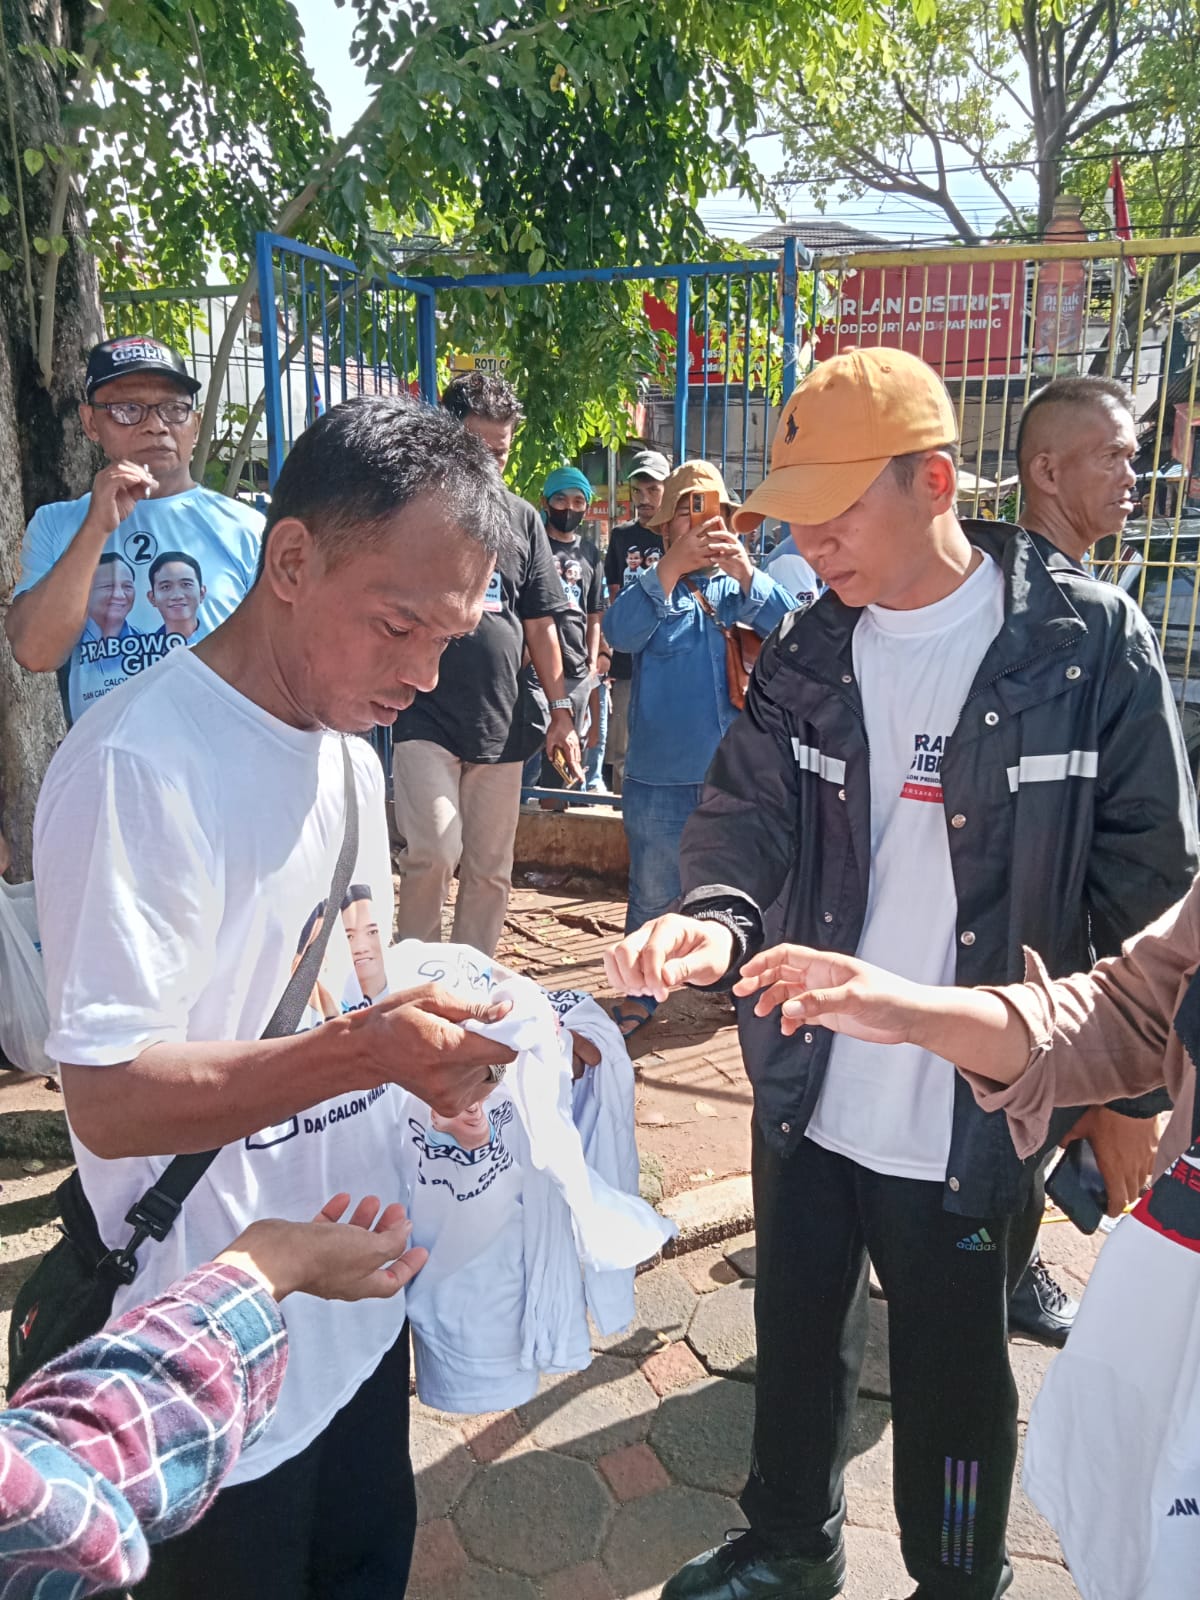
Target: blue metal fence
{"type": "Point", "coordinates": [330, 331]}
{"type": "Point", "coordinates": [738, 316]}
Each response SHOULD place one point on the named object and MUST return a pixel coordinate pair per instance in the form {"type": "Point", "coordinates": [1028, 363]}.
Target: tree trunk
{"type": "Point", "coordinates": [43, 453]}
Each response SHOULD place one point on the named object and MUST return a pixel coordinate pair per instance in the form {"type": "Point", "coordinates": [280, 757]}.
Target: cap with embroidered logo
{"type": "Point", "coordinates": [846, 420]}
{"type": "Point", "coordinates": [136, 352]}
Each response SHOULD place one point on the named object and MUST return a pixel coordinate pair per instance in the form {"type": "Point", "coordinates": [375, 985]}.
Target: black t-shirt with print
{"type": "Point", "coordinates": [628, 548]}
{"type": "Point", "coordinates": [578, 563]}
{"type": "Point", "coordinates": [472, 711]}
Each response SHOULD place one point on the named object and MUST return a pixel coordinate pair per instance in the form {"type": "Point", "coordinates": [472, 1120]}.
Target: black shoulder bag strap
{"type": "Point", "coordinates": [154, 1214]}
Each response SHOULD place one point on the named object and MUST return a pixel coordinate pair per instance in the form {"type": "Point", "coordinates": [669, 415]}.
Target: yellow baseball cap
{"type": "Point", "coordinates": [693, 477]}
{"type": "Point", "coordinates": [841, 427]}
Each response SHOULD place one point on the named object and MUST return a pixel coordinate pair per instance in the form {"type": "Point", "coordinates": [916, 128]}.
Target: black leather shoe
{"type": "Point", "coordinates": [1039, 1308]}
{"type": "Point", "coordinates": [746, 1567]}
{"type": "Point", "coordinates": [1005, 1584]}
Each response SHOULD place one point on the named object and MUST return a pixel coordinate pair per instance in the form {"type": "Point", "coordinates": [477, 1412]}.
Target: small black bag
{"type": "Point", "coordinates": [69, 1294]}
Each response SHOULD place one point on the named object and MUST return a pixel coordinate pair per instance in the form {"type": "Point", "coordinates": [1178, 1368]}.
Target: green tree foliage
{"type": "Point", "coordinates": [1052, 88]}
{"type": "Point", "coordinates": [533, 136]}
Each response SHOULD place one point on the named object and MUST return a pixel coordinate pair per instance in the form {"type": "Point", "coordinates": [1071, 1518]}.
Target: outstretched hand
{"type": "Point", "coordinates": [417, 1039]}
{"type": "Point", "coordinates": [667, 953]}
{"type": "Point", "coordinates": [817, 988]}
{"type": "Point", "coordinates": [366, 1258]}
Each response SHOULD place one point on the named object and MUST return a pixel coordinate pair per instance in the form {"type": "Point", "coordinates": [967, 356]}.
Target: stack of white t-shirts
{"type": "Point", "coordinates": [602, 1107]}
{"type": "Point", "coordinates": [1113, 1454]}
{"type": "Point", "coordinates": [511, 1219]}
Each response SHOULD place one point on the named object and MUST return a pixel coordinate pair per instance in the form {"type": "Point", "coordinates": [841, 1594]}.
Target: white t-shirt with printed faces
{"type": "Point", "coordinates": [891, 1107]}
{"type": "Point", "coordinates": [184, 845]}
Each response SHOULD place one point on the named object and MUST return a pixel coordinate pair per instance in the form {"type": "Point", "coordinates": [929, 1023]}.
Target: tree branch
{"type": "Point", "coordinates": [58, 204]}
{"type": "Point", "coordinates": [1107, 114]}
{"type": "Point", "coordinates": [999, 82]}
{"type": "Point", "coordinates": [299, 204]}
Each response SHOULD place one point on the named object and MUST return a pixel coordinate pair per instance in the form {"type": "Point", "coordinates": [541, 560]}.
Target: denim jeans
{"type": "Point", "coordinates": [593, 759]}
{"type": "Point", "coordinates": [654, 816]}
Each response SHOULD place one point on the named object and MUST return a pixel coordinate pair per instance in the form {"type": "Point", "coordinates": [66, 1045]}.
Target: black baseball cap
{"type": "Point", "coordinates": [135, 352]}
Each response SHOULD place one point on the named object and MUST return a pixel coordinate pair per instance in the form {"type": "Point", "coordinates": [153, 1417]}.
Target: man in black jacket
{"type": "Point", "coordinates": [950, 757]}
{"type": "Point", "coordinates": [1075, 452]}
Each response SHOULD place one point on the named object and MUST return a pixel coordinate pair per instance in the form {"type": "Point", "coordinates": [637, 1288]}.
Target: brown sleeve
{"type": "Point", "coordinates": [1100, 1035]}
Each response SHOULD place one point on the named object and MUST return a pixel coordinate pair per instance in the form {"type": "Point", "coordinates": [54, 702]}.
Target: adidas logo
{"type": "Point", "coordinates": [977, 1241]}
{"type": "Point", "coordinates": [1185, 1508]}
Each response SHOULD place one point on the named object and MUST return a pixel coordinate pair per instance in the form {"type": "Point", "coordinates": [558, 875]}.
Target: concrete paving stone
{"type": "Point", "coordinates": [869, 1472]}
{"type": "Point", "coordinates": [672, 1367]}
{"type": "Point", "coordinates": [664, 1303]}
{"type": "Point", "coordinates": [588, 1582]}
{"type": "Point", "coordinates": [702, 1435]}
{"type": "Point", "coordinates": [484, 1583]}
{"type": "Point", "coordinates": [722, 1330]}
{"type": "Point", "coordinates": [587, 1414]}
{"type": "Point", "coordinates": [1030, 1363]}
{"type": "Point", "coordinates": [707, 1269]}
{"type": "Point", "coordinates": [715, 1211]}
{"type": "Point", "coordinates": [439, 1560]}
{"type": "Point", "coordinates": [533, 1514]}
{"type": "Point", "coordinates": [653, 1537]}
{"type": "Point", "coordinates": [875, 1379]}
{"type": "Point", "coordinates": [441, 1466]}
{"type": "Point", "coordinates": [494, 1435]}
{"type": "Point", "coordinates": [875, 1570]}
{"type": "Point", "coordinates": [1041, 1580]}
{"type": "Point", "coordinates": [742, 1255]}
{"type": "Point", "coordinates": [1069, 1254]}
{"type": "Point", "coordinates": [633, 1472]}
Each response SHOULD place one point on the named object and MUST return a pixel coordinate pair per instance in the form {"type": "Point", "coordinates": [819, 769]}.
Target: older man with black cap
{"type": "Point", "coordinates": [937, 766]}
{"type": "Point", "coordinates": [83, 603]}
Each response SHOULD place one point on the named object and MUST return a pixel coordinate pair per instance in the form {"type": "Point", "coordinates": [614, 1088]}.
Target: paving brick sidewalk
{"type": "Point", "coordinates": [609, 1480]}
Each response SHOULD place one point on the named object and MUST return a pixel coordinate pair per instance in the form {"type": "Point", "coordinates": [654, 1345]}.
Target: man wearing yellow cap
{"type": "Point", "coordinates": [670, 618]}
{"type": "Point", "coordinates": [939, 763]}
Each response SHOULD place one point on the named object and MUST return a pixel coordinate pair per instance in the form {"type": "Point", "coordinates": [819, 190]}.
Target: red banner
{"type": "Point", "coordinates": [964, 320]}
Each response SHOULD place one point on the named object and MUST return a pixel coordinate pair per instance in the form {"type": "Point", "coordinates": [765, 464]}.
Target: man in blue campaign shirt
{"type": "Point", "coordinates": [149, 561]}
{"type": "Point", "coordinates": [679, 707]}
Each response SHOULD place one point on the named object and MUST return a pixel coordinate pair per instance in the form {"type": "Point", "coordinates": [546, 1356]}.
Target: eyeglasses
{"type": "Point", "coordinates": [130, 412]}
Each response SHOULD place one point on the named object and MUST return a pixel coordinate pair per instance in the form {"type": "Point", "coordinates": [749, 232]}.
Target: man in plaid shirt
{"type": "Point", "coordinates": [125, 1440]}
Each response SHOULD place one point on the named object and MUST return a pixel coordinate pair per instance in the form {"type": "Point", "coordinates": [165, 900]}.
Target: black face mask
{"type": "Point", "coordinates": [563, 521]}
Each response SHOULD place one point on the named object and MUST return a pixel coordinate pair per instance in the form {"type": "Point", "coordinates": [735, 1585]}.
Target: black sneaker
{"type": "Point", "coordinates": [1039, 1308]}
{"type": "Point", "coordinates": [748, 1567]}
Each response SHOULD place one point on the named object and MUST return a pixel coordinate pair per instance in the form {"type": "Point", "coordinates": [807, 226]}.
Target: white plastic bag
{"type": "Point", "coordinates": [24, 1016]}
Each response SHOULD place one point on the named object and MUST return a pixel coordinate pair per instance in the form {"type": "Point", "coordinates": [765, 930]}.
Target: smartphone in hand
{"type": "Point", "coordinates": [1077, 1187]}
{"type": "Point", "coordinates": [703, 505]}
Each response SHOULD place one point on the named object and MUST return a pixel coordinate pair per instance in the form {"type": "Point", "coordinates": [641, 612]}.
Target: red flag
{"type": "Point", "coordinates": [1118, 209]}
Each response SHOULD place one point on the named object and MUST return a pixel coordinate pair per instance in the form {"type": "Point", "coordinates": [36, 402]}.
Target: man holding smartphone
{"type": "Point", "coordinates": [680, 703]}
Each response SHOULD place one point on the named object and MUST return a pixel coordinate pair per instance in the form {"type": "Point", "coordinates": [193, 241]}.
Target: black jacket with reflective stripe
{"type": "Point", "coordinates": [1070, 813]}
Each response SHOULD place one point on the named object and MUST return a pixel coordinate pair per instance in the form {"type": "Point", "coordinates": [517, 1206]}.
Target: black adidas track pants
{"type": "Point", "coordinates": [954, 1403]}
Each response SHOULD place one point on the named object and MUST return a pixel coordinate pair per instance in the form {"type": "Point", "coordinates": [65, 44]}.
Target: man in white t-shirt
{"type": "Point", "coordinates": [939, 763]}
{"type": "Point", "coordinates": [184, 845]}
{"type": "Point", "coordinates": [148, 561]}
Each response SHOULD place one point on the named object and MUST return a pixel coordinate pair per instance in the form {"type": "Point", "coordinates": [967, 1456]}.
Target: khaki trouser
{"type": "Point", "coordinates": [618, 731]}
{"type": "Point", "coordinates": [454, 814]}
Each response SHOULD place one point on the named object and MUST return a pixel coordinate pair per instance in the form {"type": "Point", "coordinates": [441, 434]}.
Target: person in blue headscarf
{"type": "Point", "coordinates": [566, 496]}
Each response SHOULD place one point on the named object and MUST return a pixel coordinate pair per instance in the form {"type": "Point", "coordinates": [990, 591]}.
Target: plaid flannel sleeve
{"type": "Point", "coordinates": [125, 1440]}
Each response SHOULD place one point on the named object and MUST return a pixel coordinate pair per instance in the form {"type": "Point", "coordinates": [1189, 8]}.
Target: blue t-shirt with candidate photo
{"type": "Point", "coordinates": [174, 569]}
